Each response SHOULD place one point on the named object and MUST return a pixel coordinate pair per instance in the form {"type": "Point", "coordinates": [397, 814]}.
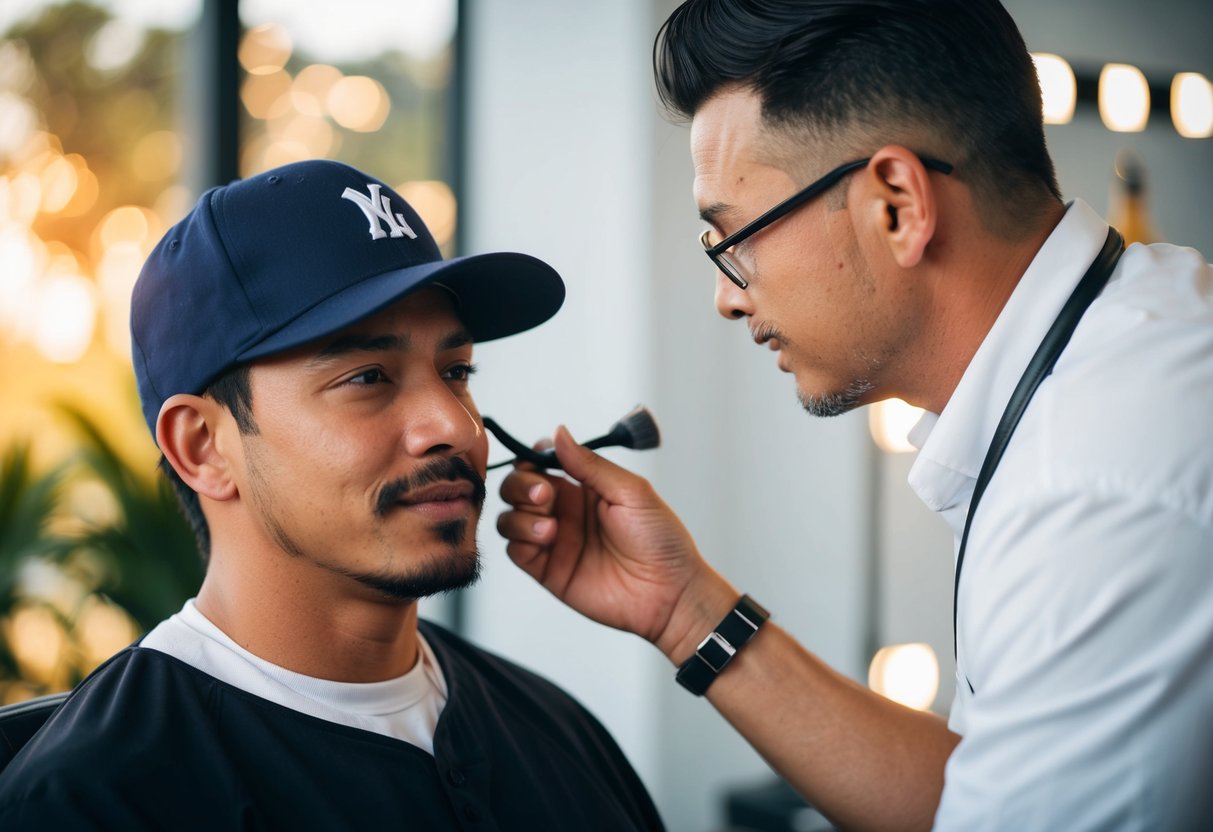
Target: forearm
{"type": "Point", "coordinates": [863, 760]}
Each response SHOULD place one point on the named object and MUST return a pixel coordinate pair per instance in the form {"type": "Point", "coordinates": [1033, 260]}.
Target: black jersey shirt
{"type": "Point", "coordinates": [147, 742]}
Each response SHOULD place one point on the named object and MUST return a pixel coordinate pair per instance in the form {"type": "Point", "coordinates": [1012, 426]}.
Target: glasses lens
{"type": "Point", "coordinates": [722, 260]}
{"type": "Point", "coordinates": [730, 268]}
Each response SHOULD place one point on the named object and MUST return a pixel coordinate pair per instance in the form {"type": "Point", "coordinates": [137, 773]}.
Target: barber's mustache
{"type": "Point", "coordinates": [450, 469]}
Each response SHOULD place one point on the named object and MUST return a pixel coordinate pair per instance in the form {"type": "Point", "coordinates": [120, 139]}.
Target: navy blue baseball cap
{"type": "Point", "coordinates": [271, 262]}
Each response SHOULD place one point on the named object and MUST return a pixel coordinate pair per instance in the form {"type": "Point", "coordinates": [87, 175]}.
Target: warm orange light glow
{"type": "Point", "coordinates": [87, 189]}
{"type": "Point", "coordinates": [65, 318]}
{"type": "Point", "coordinates": [116, 273]}
{"type": "Point", "coordinates": [311, 88]}
{"type": "Point", "coordinates": [37, 641]}
{"type": "Point", "coordinates": [906, 673]}
{"type": "Point", "coordinates": [173, 203]}
{"type": "Point", "coordinates": [59, 182]}
{"type": "Point", "coordinates": [265, 49]}
{"type": "Point", "coordinates": [890, 422]}
{"type": "Point", "coordinates": [23, 256]}
{"type": "Point", "coordinates": [127, 224]}
{"type": "Point", "coordinates": [359, 103]}
{"type": "Point", "coordinates": [18, 119]}
{"type": "Point", "coordinates": [1058, 87]}
{"type": "Point", "coordinates": [102, 630]}
{"type": "Point", "coordinates": [1192, 105]}
{"type": "Point", "coordinates": [1124, 98]}
{"type": "Point", "coordinates": [284, 152]}
{"type": "Point", "coordinates": [314, 134]}
{"type": "Point", "coordinates": [20, 198]}
{"type": "Point", "coordinates": [268, 95]}
{"type": "Point", "coordinates": [157, 156]}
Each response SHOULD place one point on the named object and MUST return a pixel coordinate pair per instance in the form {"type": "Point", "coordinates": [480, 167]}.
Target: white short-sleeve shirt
{"type": "Point", "coordinates": [1086, 599]}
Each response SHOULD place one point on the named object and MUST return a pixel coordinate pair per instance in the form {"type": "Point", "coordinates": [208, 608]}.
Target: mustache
{"type": "Point", "coordinates": [440, 470]}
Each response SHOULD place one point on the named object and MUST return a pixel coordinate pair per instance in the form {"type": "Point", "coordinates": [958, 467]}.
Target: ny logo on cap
{"type": "Point", "coordinates": [376, 207]}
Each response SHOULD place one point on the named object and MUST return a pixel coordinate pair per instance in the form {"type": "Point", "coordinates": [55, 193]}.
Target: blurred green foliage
{"type": "Point", "coordinates": [140, 555]}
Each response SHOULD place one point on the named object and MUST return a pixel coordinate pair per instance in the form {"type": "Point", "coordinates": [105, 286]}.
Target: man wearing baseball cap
{"type": "Point", "coordinates": [303, 354]}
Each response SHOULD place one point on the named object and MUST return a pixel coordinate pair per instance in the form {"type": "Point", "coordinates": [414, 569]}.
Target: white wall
{"type": "Point", "coordinates": [570, 159]}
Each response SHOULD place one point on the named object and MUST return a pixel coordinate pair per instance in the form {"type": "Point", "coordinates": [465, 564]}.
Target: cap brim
{"type": "Point", "coordinates": [496, 295]}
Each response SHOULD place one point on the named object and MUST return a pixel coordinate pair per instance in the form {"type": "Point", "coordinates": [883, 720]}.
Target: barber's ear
{"type": "Point", "coordinates": [901, 203]}
{"type": "Point", "coordinates": [187, 433]}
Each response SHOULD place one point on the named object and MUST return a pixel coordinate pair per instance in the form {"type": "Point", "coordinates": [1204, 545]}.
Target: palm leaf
{"type": "Point", "coordinates": [149, 553]}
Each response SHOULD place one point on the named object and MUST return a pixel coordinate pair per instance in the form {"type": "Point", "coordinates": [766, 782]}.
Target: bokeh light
{"type": "Point", "coordinates": [359, 103]}
{"type": "Point", "coordinates": [890, 423]}
{"type": "Point", "coordinates": [157, 156]}
{"type": "Point", "coordinates": [66, 317]}
{"type": "Point", "coordinates": [1124, 98]}
{"type": "Point", "coordinates": [1192, 105]}
{"type": "Point", "coordinates": [267, 95]}
{"type": "Point", "coordinates": [310, 90]}
{"type": "Point", "coordinates": [906, 673]}
{"type": "Point", "coordinates": [434, 202]}
{"type": "Point", "coordinates": [265, 49]}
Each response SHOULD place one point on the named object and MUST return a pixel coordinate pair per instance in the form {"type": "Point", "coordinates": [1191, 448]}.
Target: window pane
{"type": "Point", "coordinates": [367, 83]}
{"type": "Point", "coordinates": [90, 176]}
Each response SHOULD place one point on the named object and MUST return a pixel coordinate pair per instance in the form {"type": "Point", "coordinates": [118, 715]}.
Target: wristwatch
{"type": "Point", "coordinates": [718, 649]}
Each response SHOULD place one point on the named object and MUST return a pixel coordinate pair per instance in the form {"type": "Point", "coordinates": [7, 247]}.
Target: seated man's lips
{"type": "Point", "coordinates": [442, 501]}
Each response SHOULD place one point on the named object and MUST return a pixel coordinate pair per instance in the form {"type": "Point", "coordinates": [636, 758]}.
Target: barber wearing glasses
{"type": "Point", "coordinates": [919, 247]}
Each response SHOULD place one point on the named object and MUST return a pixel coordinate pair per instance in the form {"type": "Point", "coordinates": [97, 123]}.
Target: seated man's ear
{"type": "Point", "coordinates": [901, 201]}
{"type": "Point", "coordinates": [187, 432]}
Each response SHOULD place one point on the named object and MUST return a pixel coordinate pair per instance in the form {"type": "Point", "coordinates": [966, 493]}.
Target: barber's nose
{"type": "Point", "coordinates": [732, 301]}
{"type": "Point", "coordinates": [437, 421]}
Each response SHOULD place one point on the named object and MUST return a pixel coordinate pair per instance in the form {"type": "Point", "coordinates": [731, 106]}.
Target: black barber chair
{"type": "Point", "coordinates": [20, 721]}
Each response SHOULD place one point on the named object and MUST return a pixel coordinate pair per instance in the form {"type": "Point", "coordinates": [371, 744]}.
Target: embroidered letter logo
{"type": "Point", "coordinates": [377, 207]}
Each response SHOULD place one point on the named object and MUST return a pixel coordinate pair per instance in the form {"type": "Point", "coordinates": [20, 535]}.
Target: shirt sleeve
{"type": "Point", "coordinates": [1086, 630]}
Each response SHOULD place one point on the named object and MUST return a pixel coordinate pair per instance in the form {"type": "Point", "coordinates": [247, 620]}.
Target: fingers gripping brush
{"type": "Point", "coordinates": [637, 430]}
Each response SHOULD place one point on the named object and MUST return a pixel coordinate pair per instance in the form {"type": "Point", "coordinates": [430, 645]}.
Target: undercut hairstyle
{"type": "Point", "coordinates": [234, 391]}
{"type": "Point", "coordinates": [951, 76]}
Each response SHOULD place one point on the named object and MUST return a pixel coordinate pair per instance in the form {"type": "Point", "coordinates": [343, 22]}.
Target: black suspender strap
{"type": "Point", "coordinates": [1039, 367]}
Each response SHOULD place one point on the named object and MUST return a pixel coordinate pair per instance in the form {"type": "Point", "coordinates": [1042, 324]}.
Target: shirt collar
{"type": "Point", "coordinates": [953, 444]}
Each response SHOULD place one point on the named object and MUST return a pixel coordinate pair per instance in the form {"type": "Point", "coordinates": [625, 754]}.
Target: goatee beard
{"type": "Point", "coordinates": [835, 404]}
{"type": "Point", "coordinates": [439, 575]}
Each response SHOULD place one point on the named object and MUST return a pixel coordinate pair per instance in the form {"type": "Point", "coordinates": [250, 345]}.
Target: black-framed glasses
{"type": "Point", "coordinates": [719, 252]}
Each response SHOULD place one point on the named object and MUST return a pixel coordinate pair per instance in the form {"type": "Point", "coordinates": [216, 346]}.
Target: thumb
{"type": "Point", "coordinates": [613, 483]}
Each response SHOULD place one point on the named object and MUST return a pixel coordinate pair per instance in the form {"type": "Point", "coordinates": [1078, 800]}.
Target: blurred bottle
{"type": "Point", "coordinates": [1128, 209]}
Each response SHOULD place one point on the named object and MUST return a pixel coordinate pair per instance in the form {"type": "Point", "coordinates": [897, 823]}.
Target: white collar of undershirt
{"type": "Point", "coordinates": [191, 637]}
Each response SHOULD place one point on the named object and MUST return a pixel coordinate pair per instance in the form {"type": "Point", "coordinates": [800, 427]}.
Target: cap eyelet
{"type": "Point", "coordinates": [273, 180]}
{"type": "Point", "coordinates": [173, 245]}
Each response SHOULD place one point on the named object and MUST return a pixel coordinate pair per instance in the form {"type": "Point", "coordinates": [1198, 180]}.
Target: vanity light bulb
{"type": "Point", "coordinates": [1192, 105]}
{"type": "Point", "coordinates": [1124, 98]}
{"type": "Point", "coordinates": [1058, 88]}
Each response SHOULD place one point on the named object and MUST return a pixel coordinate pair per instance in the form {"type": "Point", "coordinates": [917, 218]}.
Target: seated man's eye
{"type": "Point", "coordinates": [368, 377]}
{"type": "Point", "coordinates": [460, 372]}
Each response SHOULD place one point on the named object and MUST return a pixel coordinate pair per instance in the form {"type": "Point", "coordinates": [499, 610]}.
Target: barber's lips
{"type": "Point", "coordinates": [448, 501]}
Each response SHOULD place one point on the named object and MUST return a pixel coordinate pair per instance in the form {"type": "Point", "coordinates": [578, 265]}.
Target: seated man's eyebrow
{"type": "Point", "coordinates": [456, 339]}
{"type": "Point", "coordinates": [360, 342]}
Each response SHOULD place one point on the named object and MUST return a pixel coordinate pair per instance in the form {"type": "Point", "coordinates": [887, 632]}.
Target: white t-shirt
{"type": "Point", "coordinates": [406, 707]}
{"type": "Point", "coordinates": [1086, 597]}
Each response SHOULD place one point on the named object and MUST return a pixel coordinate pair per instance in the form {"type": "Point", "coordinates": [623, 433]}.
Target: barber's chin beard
{"type": "Point", "coordinates": [437, 575]}
{"type": "Point", "coordinates": [837, 403]}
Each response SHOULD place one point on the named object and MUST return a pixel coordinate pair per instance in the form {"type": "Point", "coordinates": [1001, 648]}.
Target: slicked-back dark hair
{"type": "Point", "coordinates": [234, 391]}
{"type": "Point", "coordinates": [957, 70]}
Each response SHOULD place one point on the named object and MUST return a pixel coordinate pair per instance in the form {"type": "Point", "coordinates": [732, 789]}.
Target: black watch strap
{"type": "Point", "coordinates": [718, 649]}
